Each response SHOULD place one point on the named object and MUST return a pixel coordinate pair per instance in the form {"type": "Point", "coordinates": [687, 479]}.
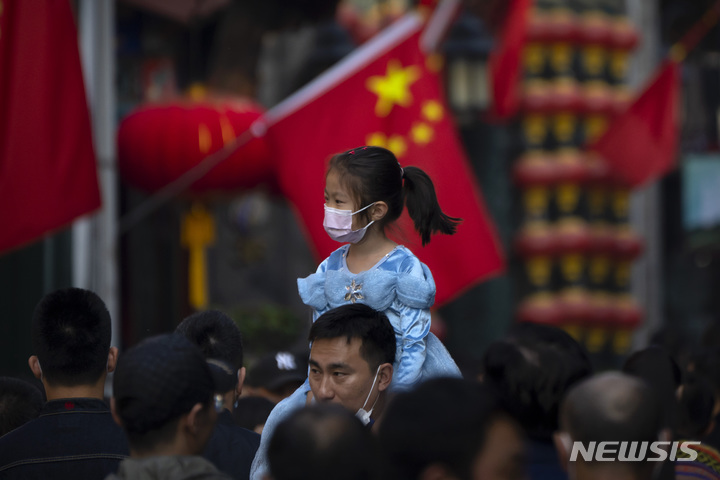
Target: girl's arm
{"type": "Point", "coordinates": [415, 327]}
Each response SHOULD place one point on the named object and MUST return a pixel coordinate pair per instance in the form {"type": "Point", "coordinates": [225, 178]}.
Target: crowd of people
{"type": "Point", "coordinates": [537, 411]}
{"type": "Point", "coordinates": [376, 397]}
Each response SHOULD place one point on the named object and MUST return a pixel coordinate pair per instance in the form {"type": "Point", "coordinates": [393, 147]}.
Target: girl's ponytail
{"type": "Point", "coordinates": [423, 206]}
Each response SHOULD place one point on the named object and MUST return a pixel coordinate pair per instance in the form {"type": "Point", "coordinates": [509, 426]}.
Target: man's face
{"type": "Point", "coordinates": [339, 374]}
{"type": "Point", "coordinates": [503, 453]}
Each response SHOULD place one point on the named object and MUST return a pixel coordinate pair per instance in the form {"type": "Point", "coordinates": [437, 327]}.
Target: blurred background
{"type": "Point", "coordinates": [619, 266]}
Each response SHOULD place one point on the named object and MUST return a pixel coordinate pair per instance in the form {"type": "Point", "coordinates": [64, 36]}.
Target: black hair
{"type": "Point", "coordinates": [323, 441]}
{"type": "Point", "coordinates": [532, 368]}
{"type": "Point", "coordinates": [660, 371]}
{"type": "Point", "coordinates": [696, 402]}
{"type": "Point", "coordinates": [443, 421]}
{"type": "Point", "coordinates": [71, 333]}
{"type": "Point", "coordinates": [217, 335]}
{"type": "Point", "coordinates": [359, 321]}
{"type": "Point", "coordinates": [20, 402]}
{"type": "Point", "coordinates": [373, 174]}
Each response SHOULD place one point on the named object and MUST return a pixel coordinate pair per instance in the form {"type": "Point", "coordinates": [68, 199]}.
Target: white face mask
{"type": "Point", "coordinates": [338, 224]}
{"type": "Point", "coordinates": [362, 414]}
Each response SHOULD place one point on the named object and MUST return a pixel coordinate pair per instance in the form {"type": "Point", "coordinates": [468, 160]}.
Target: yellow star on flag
{"type": "Point", "coordinates": [394, 88]}
{"type": "Point", "coordinates": [422, 133]}
{"type": "Point", "coordinates": [397, 145]}
{"type": "Point", "coordinates": [377, 139]}
{"type": "Point", "coordinates": [432, 110]}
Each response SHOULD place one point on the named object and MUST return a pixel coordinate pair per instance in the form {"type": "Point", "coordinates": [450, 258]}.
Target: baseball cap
{"type": "Point", "coordinates": [276, 369]}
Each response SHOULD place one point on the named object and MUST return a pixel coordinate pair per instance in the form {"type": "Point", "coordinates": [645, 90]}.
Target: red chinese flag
{"type": "Point", "coordinates": [506, 60]}
{"type": "Point", "coordinates": [640, 145]}
{"type": "Point", "coordinates": [387, 93]}
{"type": "Point", "coordinates": [47, 163]}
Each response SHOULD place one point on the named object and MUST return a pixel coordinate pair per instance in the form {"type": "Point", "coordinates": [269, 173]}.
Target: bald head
{"type": "Point", "coordinates": [611, 407]}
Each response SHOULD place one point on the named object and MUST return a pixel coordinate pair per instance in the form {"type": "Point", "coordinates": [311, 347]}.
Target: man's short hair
{"type": "Point", "coordinates": [155, 383]}
{"type": "Point", "coordinates": [359, 321]}
{"type": "Point", "coordinates": [322, 441]}
{"type": "Point", "coordinates": [611, 406]}
{"type": "Point", "coordinates": [532, 369]}
{"type": "Point", "coordinates": [443, 421]}
{"type": "Point", "coordinates": [71, 333]}
{"type": "Point", "coordinates": [20, 402]}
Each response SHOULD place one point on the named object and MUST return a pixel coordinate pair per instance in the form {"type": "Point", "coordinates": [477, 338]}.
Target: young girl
{"type": "Point", "coordinates": [366, 190]}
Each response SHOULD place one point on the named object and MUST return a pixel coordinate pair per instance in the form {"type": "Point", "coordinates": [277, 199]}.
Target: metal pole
{"type": "Point", "coordinates": [645, 206]}
{"type": "Point", "coordinates": [95, 264]}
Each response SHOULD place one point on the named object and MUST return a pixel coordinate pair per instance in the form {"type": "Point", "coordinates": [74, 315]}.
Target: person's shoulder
{"type": "Point", "coordinates": [415, 286]}
{"type": "Point", "coordinates": [312, 287]}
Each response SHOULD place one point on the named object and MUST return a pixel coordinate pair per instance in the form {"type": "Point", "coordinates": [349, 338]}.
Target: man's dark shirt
{"type": "Point", "coordinates": [73, 438]}
{"type": "Point", "coordinates": [232, 448]}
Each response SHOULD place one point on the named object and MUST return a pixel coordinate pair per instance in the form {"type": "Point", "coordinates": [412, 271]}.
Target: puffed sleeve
{"type": "Point", "coordinates": [415, 296]}
{"type": "Point", "coordinates": [415, 328]}
{"type": "Point", "coordinates": [312, 288]}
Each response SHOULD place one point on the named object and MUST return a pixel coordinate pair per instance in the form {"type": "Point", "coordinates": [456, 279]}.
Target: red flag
{"type": "Point", "coordinates": [506, 60]}
{"type": "Point", "coordinates": [640, 145]}
{"type": "Point", "coordinates": [387, 93]}
{"type": "Point", "coordinates": [47, 163]}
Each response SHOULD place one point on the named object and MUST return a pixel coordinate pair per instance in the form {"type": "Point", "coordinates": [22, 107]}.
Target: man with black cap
{"type": "Point", "coordinates": [231, 448]}
{"type": "Point", "coordinates": [74, 436]}
{"type": "Point", "coordinates": [164, 400]}
{"type": "Point", "coordinates": [277, 375]}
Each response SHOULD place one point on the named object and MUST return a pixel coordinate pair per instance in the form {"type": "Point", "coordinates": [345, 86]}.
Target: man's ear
{"type": "Point", "coordinates": [563, 445]}
{"type": "Point", "coordinates": [378, 211]}
{"type": "Point", "coordinates": [385, 374]}
{"type": "Point", "coordinates": [112, 359]}
{"type": "Point", "coordinates": [113, 410]}
{"type": "Point", "coordinates": [191, 421]}
{"type": "Point", "coordinates": [241, 379]}
{"type": "Point", "coordinates": [34, 365]}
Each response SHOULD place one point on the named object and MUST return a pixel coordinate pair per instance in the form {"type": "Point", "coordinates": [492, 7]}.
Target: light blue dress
{"type": "Point", "coordinates": [399, 285]}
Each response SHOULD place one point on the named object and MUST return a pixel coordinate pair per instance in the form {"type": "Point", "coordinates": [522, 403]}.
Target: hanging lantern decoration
{"type": "Point", "coordinates": [572, 242]}
{"type": "Point", "coordinates": [535, 173]}
{"type": "Point", "coordinates": [159, 143]}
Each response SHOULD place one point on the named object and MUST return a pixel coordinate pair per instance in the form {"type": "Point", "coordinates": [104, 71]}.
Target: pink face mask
{"type": "Point", "coordinates": [338, 224]}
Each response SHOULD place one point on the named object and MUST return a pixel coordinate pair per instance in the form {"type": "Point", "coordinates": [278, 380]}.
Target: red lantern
{"type": "Point", "coordinates": [158, 143]}
{"type": "Point", "coordinates": [541, 308]}
{"type": "Point", "coordinates": [623, 34]}
{"type": "Point", "coordinates": [534, 168]}
{"type": "Point", "coordinates": [535, 239]}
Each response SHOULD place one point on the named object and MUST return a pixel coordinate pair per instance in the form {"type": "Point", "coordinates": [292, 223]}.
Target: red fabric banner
{"type": "Point", "coordinates": [47, 162]}
{"type": "Point", "coordinates": [387, 93]}
{"type": "Point", "coordinates": [640, 145]}
{"type": "Point", "coordinates": [506, 60]}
